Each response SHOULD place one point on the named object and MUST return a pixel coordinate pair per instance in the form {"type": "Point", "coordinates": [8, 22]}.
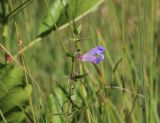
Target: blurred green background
{"type": "Point", "coordinates": [124, 88]}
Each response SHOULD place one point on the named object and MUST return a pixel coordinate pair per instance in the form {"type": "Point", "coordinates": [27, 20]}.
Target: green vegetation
{"type": "Point", "coordinates": [41, 79]}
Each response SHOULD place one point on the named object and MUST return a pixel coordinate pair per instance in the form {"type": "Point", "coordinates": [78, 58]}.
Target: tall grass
{"type": "Point", "coordinates": [123, 88]}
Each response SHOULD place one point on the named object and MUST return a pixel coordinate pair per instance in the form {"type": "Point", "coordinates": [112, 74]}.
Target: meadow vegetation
{"type": "Point", "coordinates": [43, 78]}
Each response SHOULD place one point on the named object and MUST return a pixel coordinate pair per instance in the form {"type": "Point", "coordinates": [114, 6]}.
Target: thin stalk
{"type": "Point", "coordinates": [70, 103]}
{"type": "Point", "coordinates": [20, 42]}
{"type": "Point", "coordinates": [27, 47]}
{"type": "Point", "coordinates": [123, 40]}
{"type": "Point", "coordinates": [141, 38]}
{"type": "Point", "coordinates": [4, 120]}
{"type": "Point", "coordinates": [61, 40]}
{"type": "Point", "coordinates": [18, 63]}
{"type": "Point", "coordinates": [151, 87]}
{"type": "Point", "coordinates": [123, 52]}
{"type": "Point", "coordinates": [122, 89]}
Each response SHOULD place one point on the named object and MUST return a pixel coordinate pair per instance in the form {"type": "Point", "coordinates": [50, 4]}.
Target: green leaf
{"type": "Point", "coordinates": [55, 11]}
{"type": "Point", "coordinates": [4, 68]}
{"type": "Point", "coordinates": [117, 64]}
{"type": "Point", "coordinates": [75, 78]}
{"type": "Point", "coordinates": [13, 93]}
{"type": "Point", "coordinates": [63, 13]}
{"type": "Point", "coordinates": [16, 97]}
{"type": "Point", "coordinates": [10, 77]}
{"type": "Point", "coordinates": [77, 31]}
{"type": "Point", "coordinates": [79, 7]}
{"type": "Point", "coordinates": [15, 117]}
{"type": "Point", "coordinates": [51, 105]}
{"type": "Point", "coordinates": [69, 54]}
{"type": "Point", "coordinates": [75, 9]}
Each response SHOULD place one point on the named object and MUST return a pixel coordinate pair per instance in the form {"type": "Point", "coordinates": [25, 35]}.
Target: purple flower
{"type": "Point", "coordinates": [94, 55]}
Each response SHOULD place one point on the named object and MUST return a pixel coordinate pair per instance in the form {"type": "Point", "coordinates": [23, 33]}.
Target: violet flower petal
{"type": "Point", "coordinates": [94, 55]}
{"type": "Point", "coordinates": [91, 58]}
{"type": "Point", "coordinates": [97, 50]}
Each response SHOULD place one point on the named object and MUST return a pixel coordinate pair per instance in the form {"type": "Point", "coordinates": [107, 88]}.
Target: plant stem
{"type": "Point", "coordinates": [3, 117]}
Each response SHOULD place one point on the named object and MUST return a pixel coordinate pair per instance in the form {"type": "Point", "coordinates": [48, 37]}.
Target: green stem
{"type": "Point", "coordinates": [4, 120]}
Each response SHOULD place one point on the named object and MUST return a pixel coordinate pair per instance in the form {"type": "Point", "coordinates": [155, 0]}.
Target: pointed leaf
{"type": "Point", "coordinates": [10, 77]}
{"type": "Point", "coordinates": [69, 54]}
{"type": "Point", "coordinates": [63, 13]}
{"type": "Point", "coordinates": [75, 78]}
{"type": "Point", "coordinates": [15, 117]}
{"type": "Point", "coordinates": [16, 97]}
